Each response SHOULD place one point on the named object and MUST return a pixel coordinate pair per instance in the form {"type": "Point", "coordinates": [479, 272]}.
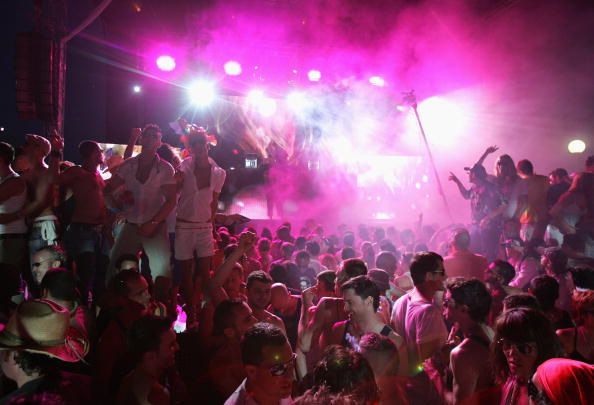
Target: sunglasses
{"type": "Point", "coordinates": [524, 348]}
{"type": "Point", "coordinates": [440, 272]}
{"type": "Point", "coordinates": [281, 369]}
{"type": "Point", "coordinates": [37, 264]}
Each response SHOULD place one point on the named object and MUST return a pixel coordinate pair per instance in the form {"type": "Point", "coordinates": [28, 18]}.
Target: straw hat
{"type": "Point", "coordinates": [43, 326]}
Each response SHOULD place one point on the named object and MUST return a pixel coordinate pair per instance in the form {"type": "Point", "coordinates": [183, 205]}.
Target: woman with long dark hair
{"type": "Point", "coordinates": [524, 339]}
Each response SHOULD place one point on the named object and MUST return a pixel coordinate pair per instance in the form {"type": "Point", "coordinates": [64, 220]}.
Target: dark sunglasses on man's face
{"type": "Point", "coordinates": [281, 369]}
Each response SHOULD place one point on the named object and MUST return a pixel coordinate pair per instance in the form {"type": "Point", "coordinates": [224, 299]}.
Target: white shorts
{"type": "Point", "coordinates": [189, 240]}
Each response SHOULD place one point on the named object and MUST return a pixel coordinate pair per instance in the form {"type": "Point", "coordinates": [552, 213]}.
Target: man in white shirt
{"type": "Point", "coordinates": [270, 367]}
{"type": "Point", "coordinates": [150, 182]}
{"type": "Point", "coordinates": [201, 184]}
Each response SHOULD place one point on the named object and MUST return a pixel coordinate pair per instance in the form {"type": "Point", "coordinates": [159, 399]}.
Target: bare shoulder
{"type": "Point", "coordinates": [469, 352]}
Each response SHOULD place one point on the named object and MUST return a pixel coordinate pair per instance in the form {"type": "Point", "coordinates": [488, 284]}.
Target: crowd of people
{"type": "Point", "coordinates": [128, 287]}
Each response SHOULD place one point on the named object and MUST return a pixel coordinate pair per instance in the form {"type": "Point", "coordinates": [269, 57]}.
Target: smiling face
{"type": "Point", "coordinates": [355, 306]}
{"type": "Point", "coordinates": [150, 140]}
{"type": "Point", "coordinates": [41, 262]}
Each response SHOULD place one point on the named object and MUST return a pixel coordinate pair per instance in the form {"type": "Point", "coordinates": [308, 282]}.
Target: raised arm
{"type": "Point", "coordinates": [134, 135]}
{"type": "Point", "coordinates": [465, 193]}
{"type": "Point", "coordinates": [488, 151]}
{"type": "Point", "coordinates": [215, 285]}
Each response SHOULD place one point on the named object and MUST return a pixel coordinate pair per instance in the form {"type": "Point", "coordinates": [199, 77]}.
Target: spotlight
{"type": "Point", "coordinates": [232, 68]}
{"type": "Point", "coordinates": [136, 89]}
{"type": "Point", "coordinates": [576, 146]}
{"type": "Point", "coordinates": [255, 97]}
{"type": "Point", "coordinates": [166, 63]}
{"type": "Point", "coordinates": [377, 81]}
{"type": "Point", "coordinates": [267, 107]}
{"type": "Point", "coordinates": [202, 93]}
{"type": "Point", "coordinates": [297, 101]}
{"type": "Point", "coordinates": [314, 75]}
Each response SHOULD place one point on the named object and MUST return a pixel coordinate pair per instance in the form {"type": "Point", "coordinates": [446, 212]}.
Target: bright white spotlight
{"type": "Point", "coordinates": [232, 68]}
{"type": "Point", "coordinates": [136, 89]}
{"type": "Point", "coordinates": [267, 107]}
{"type": "Point", "coordinates": [166, 63]}
{"type": "Point", "coordinates": [297, 101]}
{"type": "Point", "coordinates": [202, 93]}
{"type": "Point", "coordinates": [314, 75]}
{"type": "Point", "coordinates": [377, 81]}
{"type": "Point", "coordinates": [255, 97]}
{"type": "Point", "coordinates": [576, 146]}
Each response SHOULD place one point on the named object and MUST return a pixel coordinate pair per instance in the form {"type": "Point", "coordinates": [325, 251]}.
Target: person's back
{"type": "Point", "coordinates": [464, 263]}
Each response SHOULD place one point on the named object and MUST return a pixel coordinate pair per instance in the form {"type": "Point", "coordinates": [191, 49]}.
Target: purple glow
{"type": "Point", "coordinates": [232, 68]}
{"type": "Point", "coordinates": [314, 75]}
{"type": "Point", "coordinates": [166, 63]}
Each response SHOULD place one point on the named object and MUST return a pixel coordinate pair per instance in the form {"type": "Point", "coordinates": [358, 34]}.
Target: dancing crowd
{"type": "Point", "coordinates": [126, 286]}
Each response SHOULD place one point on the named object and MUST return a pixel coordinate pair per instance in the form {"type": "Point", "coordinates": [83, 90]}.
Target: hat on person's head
{"type": "Point", "coordinates": [380, 277]}
{"type": "Point", "coordinates": [478, 170]}
{"type": "Point", "coordinates": [514, 243]}
{"type": "Point", "coordinates": [40, 142]}
{"type": "Point", "coordinates": [43, 326]}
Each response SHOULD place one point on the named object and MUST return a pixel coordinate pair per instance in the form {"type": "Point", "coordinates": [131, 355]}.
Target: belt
{"type": "Point", "coordinates": [13, 236]}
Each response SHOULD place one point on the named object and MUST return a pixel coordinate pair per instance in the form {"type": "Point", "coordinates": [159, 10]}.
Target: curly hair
{"type": "Point", "coordinates": [345, 371]}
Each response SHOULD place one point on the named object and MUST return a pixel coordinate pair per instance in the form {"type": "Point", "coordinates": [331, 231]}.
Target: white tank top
{"type": "Point", "coordinates": [10, 206]}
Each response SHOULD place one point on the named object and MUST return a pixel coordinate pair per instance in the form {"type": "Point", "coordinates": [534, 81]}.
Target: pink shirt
{"type": "Point", "coordinates": [464, 263]}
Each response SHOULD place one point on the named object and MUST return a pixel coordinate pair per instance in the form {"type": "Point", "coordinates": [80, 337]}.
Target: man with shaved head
{"type": "Point", "coordinates": [288, 308]}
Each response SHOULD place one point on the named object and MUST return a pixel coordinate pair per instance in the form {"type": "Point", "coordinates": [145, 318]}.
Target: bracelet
{"type": "Point", "coordinates": [155, 222]}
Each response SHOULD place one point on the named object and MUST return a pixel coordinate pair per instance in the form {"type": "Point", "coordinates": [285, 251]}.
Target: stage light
{"type": "Point", "coordinates": [232, 68]}
{"type": "Point", "coordinates": [576, 146]}
{"type": "Point", "coordinates": [297, 101]}
{"type": "Point", "coordinates": [314, 75]}
{"type": "Point", "coordinates": [166, 63]}
{"type": "Point", "coordinates": [255, 97]}
{"type": "Point", "coordinates": [136, 89]}
{"type": "Point", "coordinates": [267, 107]}
{"type": "Point", "coordinates": [202, 93]}
{"type": "Point", "coordinates": [377, 81]}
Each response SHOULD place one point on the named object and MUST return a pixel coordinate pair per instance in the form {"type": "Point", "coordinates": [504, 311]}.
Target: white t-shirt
{"type": "Point", "coordinates": [417, 322]}
{"type": "Point", "coordinates": [148, 197]}
{"type": "Point", "coordinates": [193, 204]}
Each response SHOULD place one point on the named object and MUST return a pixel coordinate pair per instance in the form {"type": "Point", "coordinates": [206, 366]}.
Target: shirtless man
{"type": "Point", "coordinates": [39, 184]}
{"type": "Point", "coordinates": [467, 304]}
{"type": "Point", "coordinates": [258, 292]}
{"type": "Point", "coordinates": [83, 235]}
{"type": "Point", "coordinates": [328, 311]}
{"type": "Point", "coordinates": [150, 182]}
